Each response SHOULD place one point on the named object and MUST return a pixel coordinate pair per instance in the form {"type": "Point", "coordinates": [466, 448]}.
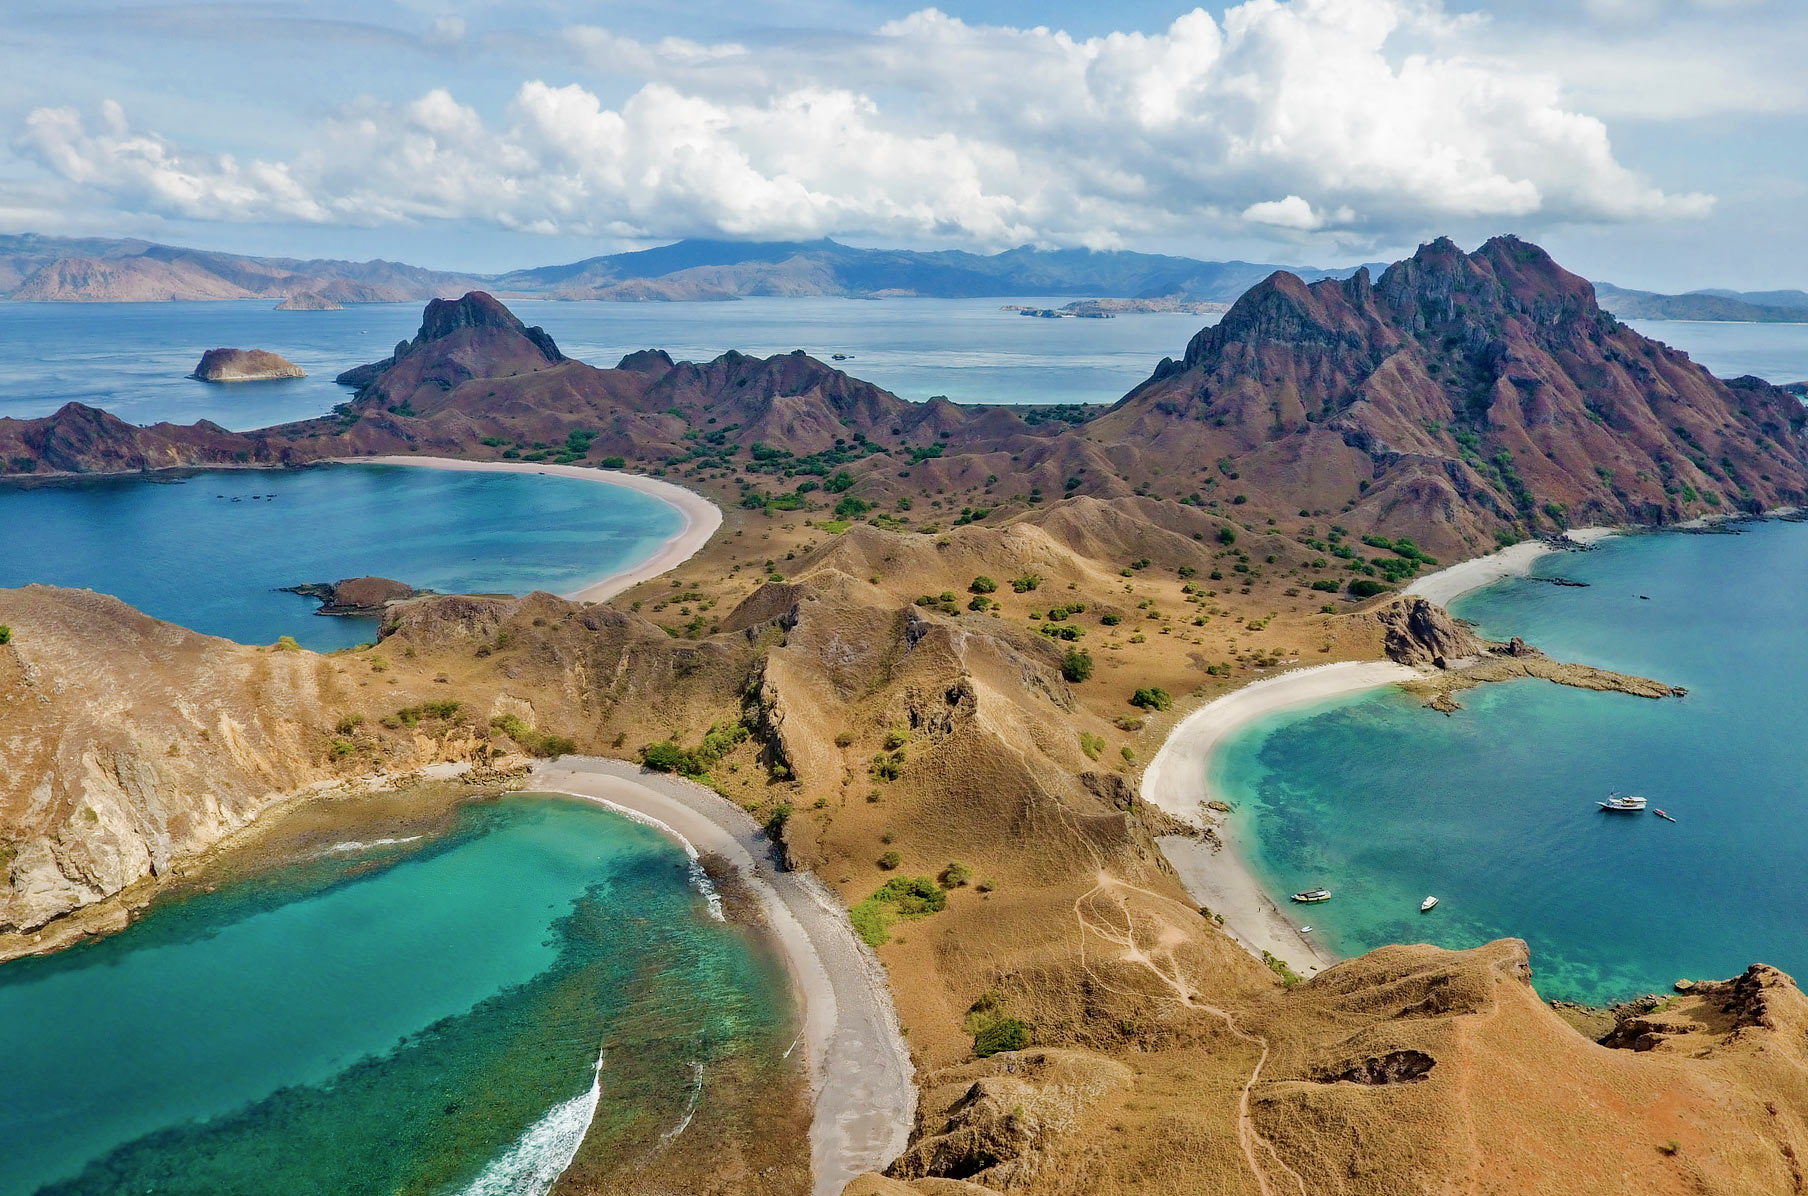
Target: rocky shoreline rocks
{"type": "Point", "coordinates": [356, 596]}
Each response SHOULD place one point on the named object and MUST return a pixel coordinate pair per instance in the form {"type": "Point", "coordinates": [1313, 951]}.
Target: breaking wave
{"type": "Point", "coordinates": [534, 1163]}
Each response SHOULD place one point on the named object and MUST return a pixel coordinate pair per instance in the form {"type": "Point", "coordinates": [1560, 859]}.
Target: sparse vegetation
{"type": "Point", "coordinates": [1279, 967]}
{"type": "Point", "coordinates": [902, 897]}
{"type": "Point", "coordinates": [532, 741]}
{"type": "Point", "coordinates": [1152, 698]}
{"type": "Point", "coordinates": [1076, 666]}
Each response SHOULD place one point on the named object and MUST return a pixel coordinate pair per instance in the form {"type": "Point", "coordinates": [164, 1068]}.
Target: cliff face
{"type": "Point", "coordinates": [1461, 396]}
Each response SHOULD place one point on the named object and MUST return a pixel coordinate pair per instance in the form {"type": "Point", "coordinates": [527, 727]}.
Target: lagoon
{"type": "Point", "coordinates": [1493, 808]}
{"type": "Point", "coordinates": [211, 550]}
{"type": "Point", "coordinates": [420, 1014]}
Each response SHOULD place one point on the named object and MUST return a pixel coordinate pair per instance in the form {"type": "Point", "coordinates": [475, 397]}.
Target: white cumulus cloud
{"type": "Point", "coordinates": [1354, 121]}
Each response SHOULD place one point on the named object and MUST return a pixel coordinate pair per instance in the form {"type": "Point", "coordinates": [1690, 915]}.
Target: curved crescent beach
{"type": "Point", "coordinates": [1219, 877]}
{"type": "Point", "coordinates": [701, 516]}
{"type": "Point", "coordinates": [861, 1076]}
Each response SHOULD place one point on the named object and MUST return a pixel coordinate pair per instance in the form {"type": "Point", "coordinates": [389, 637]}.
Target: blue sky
{"type": "Point", "coordinates": [1657, 143]}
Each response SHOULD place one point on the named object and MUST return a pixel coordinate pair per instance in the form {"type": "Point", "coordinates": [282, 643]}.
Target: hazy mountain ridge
{"type": "Point", "coordinates": [49, 269]}
{"type": "Point", "coordinates": [1719, 306]}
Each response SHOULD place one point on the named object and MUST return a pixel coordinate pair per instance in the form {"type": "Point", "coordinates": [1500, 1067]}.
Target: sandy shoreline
{"type": "Point", "coordinates": [1447, 585]}
{"type": "Point", "coordinates": [1220, 879]}
{"type": "Point", "coordinates": [701, 516]}
{"type": "Point", "coordinates": [861, 1076]}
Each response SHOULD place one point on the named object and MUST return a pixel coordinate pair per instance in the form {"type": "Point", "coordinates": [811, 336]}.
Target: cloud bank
{"type": "Point", "coordinates": [1342, 122]}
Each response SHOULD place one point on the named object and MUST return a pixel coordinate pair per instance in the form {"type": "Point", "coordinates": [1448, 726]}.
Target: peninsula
{"type": "Point", "coordinates": [930, 647]}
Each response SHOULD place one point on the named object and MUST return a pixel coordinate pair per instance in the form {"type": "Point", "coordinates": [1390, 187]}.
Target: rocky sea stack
{"type": "Point", "coordinates": [356, 595]}
{"type": "Point", "coordinates": [244, 365]}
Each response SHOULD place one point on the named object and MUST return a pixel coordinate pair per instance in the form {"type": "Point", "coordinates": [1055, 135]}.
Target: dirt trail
{"type": "Point", "coordinates": [1249, 1139]}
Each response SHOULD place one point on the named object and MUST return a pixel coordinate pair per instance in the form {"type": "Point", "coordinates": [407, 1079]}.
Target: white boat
{"type": "Point", "coordinates": [1427, 905]}
{"type": "Point", "coordinates": [1310, 896]}
{"type": "Point", "coordinates": [1623, 805]}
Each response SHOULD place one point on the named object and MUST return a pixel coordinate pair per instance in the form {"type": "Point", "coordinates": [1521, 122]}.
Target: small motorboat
{"type": "Point", "coordinates": [1310, 896]}
{"type": "Point", "coordinates": [1663, 816]}
{"type": "Point", "coordinates": [1616, 804]}
{"type": "Point", "coordinates": [1427, 905]}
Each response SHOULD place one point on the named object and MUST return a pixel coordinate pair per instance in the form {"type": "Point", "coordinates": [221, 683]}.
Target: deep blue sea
{"type": "Point", "coordinates": [1493, 808]}
{"type": "Point", "coordinates": [436, 1014]}
{"type": "Point", "coordinates": [212, 550]}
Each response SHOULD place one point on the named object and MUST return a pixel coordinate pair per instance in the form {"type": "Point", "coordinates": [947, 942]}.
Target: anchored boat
{"type": "Point", "coordinates": [1311, 896]}
{"type": "Point", "coordinates": [1623, 805]}
{"type": "Point", "coordinates": [1427, 905]}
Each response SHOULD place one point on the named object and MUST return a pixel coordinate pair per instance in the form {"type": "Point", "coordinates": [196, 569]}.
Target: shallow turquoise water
{"type": "Point", "coordinates": [206, 552]}
{"type": "Point", "coordinates": [1493, 809]}
{"type": "Point", "coordinates": [391, 1018]}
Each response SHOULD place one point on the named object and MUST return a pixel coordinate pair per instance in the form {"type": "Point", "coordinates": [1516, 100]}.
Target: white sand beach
{"type": "Point", "coordinates": [701, 516]}
{"type": "Point", "coordinates": [860, 1068]}
{"type": "Point", "coordinates": [1447, 585]}
{"type": "Point", "coordinates": [1219, 878]}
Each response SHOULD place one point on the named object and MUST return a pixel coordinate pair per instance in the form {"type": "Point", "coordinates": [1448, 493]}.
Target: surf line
{"type": "Point", "coordinates": [534, 1163]}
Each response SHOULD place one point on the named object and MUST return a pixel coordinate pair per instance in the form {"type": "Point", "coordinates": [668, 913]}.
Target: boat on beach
{"type": "Point", "coordinates": [1427, 905]}
{"type": "Point", "coordinates": [1622, 805]}
{"type": "Point", "coordinates": [1310, 896]}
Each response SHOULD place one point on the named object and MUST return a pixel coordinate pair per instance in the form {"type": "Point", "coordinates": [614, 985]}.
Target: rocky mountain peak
{"type": "Point", "coordinates": [478, 310]}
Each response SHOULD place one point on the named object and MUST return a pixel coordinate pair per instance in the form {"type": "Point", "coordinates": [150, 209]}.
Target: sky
{"type": "Point", "coordinates": [1651, 143]}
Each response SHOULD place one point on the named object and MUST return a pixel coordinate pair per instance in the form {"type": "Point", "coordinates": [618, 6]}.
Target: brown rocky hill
{"type": "Point", "coordinates": [80, 439]}
{"type": "Point", "coordinates": [1457, 398]}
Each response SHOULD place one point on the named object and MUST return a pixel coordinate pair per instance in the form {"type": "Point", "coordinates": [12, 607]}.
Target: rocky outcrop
{"type": "Point", "coordinates": [244, 365]}
{"type": "Point", "coordinates": [356, 595]}
{"type": "Point", "coordinates": [1419, 633]}
{"type": "Point", "coordinates": [459, 339]}
{"type": "Point", "coordinates": [309, 301]}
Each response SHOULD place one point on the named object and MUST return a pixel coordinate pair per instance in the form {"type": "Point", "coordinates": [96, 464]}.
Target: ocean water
{"type": "Point", "coordinates": [445, 1014]}
{"type": "Point", "coordinates": [131, 358]}
{"type": "Point", "coordinates": [1775, 352]}
{"type": "Point", "coordinates": [1493, 808]}
{"type": "Point", "coordinates": [211, 550]}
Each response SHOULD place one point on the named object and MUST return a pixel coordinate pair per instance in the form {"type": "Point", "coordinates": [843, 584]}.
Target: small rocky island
{"type": "Point", "coordinates": [309, 301]}
{"type": "Point", "coordinates": [244, 365]}
{"type": "Point", "coordinates": [356, 595]}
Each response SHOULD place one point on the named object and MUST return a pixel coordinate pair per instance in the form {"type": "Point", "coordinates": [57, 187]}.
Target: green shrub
{"type": "Point", "coordinates": [1111, 620]}
{"type": "Point", "coordinates": [666, 756]}
{"type": "Point", "coordinates": [890, 861]}
{"type": "Point", "coordinates": [534, 743]}
{"type": "Point", "coordinates": [1026, 583]}
{"type": "Point", "coordinates": [1227, 535]}
{"type": "Point", "coordinates": [1279, 967]}
{"type": "Point", "coordinates": [983, 585]}
{"type": "Point", "coordinates": [342, 748]}
{"type": "Point", "coordinates": [1091, 744]}
{"type": "Point", "coordinates": [851, 508]}
{"type": "Point", "coordinates": [612, 463]}
{"type": "Point", "coordinates": [1152, 698]}
{"type": "Point", "coordinates": [955, 875]}
{"type": "Point", "coordinates": [1001, 1034]}
{"type": "Point", "coordinates": [899, 897]}
{"type": "Point", "coordinates": [1076, 666]}
{"type": "Point", "coordinates": [896, 738]}
{"type": "Point", "coordinates": [6, 634]}
{"type": "Point", "coordinates": [286, 643]}
{"type": "Point", "coordinates": [775, 821]}
{"type": "Point", "coordinates": [347, 724]}
{"type": "Point", "coordinates": [979, 602]}
{"type": "Point", "coordinates": [1366, 587]}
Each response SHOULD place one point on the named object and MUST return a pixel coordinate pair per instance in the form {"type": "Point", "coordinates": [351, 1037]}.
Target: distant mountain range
{"type": "Point", "coordinates": [63, 270]}
{"type": "Point", "coordinates": [1745, 307]}
{"type": "Point", "coordinates": [51, 269]}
